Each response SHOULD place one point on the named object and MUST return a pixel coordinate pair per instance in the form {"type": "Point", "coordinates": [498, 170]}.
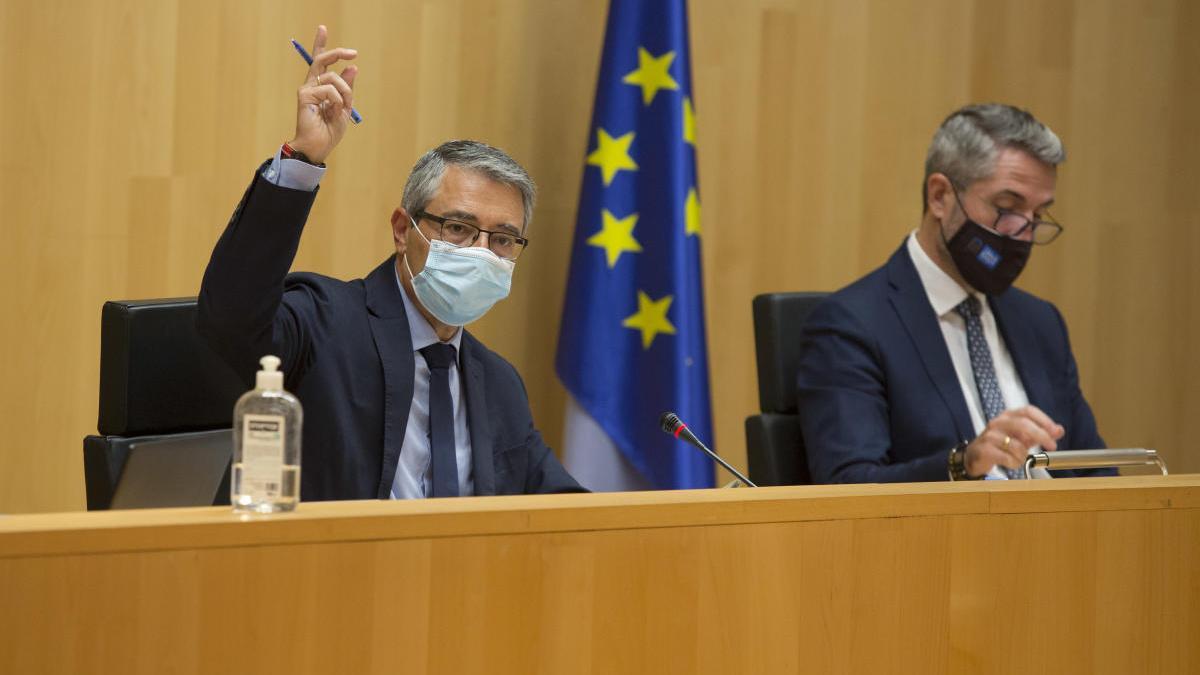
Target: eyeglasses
{"type": "Point", "coordinates": [504, 244]}
{"type": "Point", "coordinates": [1013, 225]}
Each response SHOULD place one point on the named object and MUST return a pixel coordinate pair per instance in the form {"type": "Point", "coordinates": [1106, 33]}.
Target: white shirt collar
{"type": "Point", "coordinates": [419, 328]}
{"type": "Point", "coordinates": [944, 292]}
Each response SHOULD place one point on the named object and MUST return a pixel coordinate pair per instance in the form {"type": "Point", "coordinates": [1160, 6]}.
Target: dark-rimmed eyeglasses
{"type": "Point", "coordinates": [458, 233]}
{"type": "Point", "coordinates": [1014, 225]}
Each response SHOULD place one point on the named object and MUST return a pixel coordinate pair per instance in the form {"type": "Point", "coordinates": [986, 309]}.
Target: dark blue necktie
{"type": "Point", "coordinates": [444, 465]}
{"type": "Point", "coordinates": [981, 365]}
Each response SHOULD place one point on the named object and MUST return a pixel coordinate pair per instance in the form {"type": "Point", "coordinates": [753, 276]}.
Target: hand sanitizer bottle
{"type": "Point", "coordinates": [266, 445]}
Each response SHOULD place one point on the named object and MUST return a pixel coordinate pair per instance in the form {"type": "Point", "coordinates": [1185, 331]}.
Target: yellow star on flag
{"type": "Point", "coordinates": [689, 121]}
{"type": "Point", "coordinates": [691, 214]}
{"type": "Point", "coordinates": [652, 74]}
{"type": "Point", "coordinates": [612, 155]}
{"type": "Point", "coordinates": [651, 318]}
{"type": "Point", "coordinates": [616, 236]}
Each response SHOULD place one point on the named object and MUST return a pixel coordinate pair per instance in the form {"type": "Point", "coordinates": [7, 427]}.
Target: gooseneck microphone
{"type": "Point", "coordinates": [671, 424]}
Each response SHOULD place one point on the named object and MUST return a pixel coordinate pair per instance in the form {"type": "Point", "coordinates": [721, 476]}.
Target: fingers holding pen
{"type": "Point", "coordinates": [338, 80]}
{"type": "Point", "coordinates": [330, 92]}
{"type": "Point", "coordinates": [322, 62]}
{"type": "Point", "coordinates": [321, 58]}
{"type": "Point", "coordinates": [326, 98]}
{"type": "Point", "coordinates": [339, 84]}
{"type": "Point", "coordinates": [331, 56]}
{"type": "Point", "coordinates": [320, 77]}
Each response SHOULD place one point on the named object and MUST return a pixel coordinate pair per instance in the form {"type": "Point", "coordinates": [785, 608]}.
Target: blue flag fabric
{"type": "Point", "coordinates": [632, 343]}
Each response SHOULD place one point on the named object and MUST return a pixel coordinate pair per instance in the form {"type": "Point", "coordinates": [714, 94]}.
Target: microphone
{"type": "Point", "coordinates": [671, 424]}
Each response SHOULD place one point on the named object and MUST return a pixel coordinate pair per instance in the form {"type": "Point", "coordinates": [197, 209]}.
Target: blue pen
{"type": "Point", "coordinates": [354, 116]}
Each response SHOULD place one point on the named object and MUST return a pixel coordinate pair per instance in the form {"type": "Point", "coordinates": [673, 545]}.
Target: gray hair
{"type": "Point", "coordinates": [965, 147]}
{"type": "Point", "coordinates": [426, 176]}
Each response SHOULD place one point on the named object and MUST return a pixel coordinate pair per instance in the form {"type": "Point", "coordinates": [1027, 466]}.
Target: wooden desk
{"type": "Point", "coordinates": [1088, 576]}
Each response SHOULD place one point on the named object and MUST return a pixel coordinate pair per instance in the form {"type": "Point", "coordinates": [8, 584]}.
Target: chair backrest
{"type": "Point", "coordinates": [774, 444]}
{"type": "Point", "coordinates": [157, 375]}
{"type": "Point", "coordinates": [159, 382]}
{"type": "Point", "coordinates": [778, 324]}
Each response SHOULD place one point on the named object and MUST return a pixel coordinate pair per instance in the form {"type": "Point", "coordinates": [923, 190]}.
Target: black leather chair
{"type": "Point", "coordinates": [166, 405]}
{"type": "Point", "coordinates": [774, 444]}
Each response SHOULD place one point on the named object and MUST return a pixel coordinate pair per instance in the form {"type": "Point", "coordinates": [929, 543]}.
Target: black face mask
{"type": "Point", "coordinates": [986, 259]}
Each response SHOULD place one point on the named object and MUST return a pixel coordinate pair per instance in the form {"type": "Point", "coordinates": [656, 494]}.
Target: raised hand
{"type": "Point", "coordinates": [324, 100]}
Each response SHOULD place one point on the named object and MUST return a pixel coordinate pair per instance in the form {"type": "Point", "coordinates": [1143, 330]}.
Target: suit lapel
{"type": "Point", "coordinates": [393, 342]}
{"type": "Point", "coordinates": [477, 417]}
{"type": "Point", "coordinates": [1022, 347]}
{"type": "Point", "coordinates": [911, 305]}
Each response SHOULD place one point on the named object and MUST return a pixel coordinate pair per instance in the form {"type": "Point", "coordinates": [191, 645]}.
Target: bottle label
{"type": "Point", "coordinates": [262, 455]}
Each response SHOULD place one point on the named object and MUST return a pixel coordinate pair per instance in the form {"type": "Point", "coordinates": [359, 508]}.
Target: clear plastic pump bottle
{"type": "Point", "coordinates": [266, 445]}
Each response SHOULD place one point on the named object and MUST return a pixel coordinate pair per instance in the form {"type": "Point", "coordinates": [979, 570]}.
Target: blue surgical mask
{"type": "Point", "coordinates": [459, 284]}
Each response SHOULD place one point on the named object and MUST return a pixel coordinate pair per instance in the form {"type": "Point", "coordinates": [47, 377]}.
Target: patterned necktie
{"type": "Point", "coordinates": [443, 457]}
{"type": "Point", "coordinates": [981, 365]}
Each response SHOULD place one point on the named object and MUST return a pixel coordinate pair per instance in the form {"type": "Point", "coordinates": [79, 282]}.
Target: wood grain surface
{"type": "Point", "coordinates": [1071, 576]}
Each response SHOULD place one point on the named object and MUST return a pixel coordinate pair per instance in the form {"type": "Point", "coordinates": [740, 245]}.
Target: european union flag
{"type": "Point", "coordinates": [632, 344]}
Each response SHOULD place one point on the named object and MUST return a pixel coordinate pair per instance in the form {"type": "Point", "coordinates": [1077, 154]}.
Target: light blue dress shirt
{"type": "Point", "coordinates": [413, 476]}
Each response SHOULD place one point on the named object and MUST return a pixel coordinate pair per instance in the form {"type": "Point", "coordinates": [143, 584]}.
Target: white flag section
{"type": "Point", "coordinates": [593, 459]}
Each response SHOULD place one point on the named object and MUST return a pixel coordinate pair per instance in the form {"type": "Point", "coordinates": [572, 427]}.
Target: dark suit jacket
{"type": "Point", "coordinates": [878, 396]}
{"type": "Point", "coordinates": [347, 354]}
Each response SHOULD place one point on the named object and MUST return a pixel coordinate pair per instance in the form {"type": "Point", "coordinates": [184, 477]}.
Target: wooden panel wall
{"type": "Point", "coordinates": [130, 128]}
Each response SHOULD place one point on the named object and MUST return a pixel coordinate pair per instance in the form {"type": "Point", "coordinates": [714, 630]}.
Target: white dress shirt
{"type": "Point", "coordinates": [413, 477]}
{"type": "Point", "coordinates": [944, 295]}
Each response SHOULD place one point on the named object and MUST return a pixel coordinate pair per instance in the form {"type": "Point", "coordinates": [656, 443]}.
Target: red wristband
{"type": "Point", "coordinates": [288, 152]}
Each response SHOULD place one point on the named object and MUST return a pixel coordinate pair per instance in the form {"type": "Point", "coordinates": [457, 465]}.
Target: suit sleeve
{"type": "Point", "coordinates": [843, 405]}
{"type": "Point", "coordinates": [1082, 433]}
{"type": "Point", "coordinates": [544, 473]}
{"type": "Point", "coordinates": [241, 309]}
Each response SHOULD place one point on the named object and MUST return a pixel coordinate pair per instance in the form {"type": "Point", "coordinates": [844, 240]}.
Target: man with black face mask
{"type": "Point", "coordinates": [400, 401]}
{"type": "Point", "coordinates": [933, 367]}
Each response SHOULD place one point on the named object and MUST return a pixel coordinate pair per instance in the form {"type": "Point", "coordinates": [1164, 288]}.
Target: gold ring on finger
{"type": "Point", "coordinates": [1007, 442]}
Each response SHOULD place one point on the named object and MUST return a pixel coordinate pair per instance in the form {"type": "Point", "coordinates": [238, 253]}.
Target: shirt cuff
{"type": "Point", "coordinates": [293, 173]}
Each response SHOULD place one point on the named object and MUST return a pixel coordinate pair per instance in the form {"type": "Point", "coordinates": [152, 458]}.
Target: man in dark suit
{"type": "Point", "coordinates": [932, 367]}
{"type": "Point", "coordinates": [399, 400]}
